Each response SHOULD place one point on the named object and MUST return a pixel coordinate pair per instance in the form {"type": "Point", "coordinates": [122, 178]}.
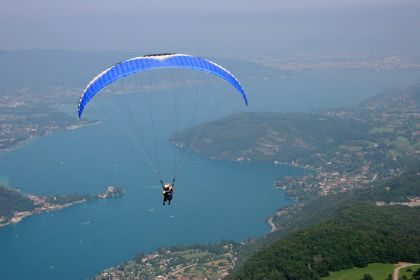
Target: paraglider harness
{"type": "Point", "coordinates": [167, 191]}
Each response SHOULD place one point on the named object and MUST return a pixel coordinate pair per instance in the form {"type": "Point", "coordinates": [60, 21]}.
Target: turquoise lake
{"type": "Point", "coordinates": [214, 200]}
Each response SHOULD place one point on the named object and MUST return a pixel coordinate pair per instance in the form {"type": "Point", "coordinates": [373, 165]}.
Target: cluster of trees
{"type": "Point", "coordinates": [13, 201]}
{"type": "Point", "coordinates": [415, 275]}
{"type": "Point", "coordinates": [68, 198]}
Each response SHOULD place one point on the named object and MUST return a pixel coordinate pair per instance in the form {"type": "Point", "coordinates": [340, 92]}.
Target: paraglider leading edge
{"type": "Point", "coordinates": [151, 62]}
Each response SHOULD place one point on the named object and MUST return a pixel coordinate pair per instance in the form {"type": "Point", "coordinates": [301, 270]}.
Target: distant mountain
{"type": "Point", "coordinates": [42, 69]}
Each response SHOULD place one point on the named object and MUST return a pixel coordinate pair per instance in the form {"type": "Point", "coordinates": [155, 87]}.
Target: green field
{"type": "Point", "coordinates": [380, 130]}
{"type": "Point", "coordinates": [195, 254]}
{"type": "Point", "coordinates": [379, 271]}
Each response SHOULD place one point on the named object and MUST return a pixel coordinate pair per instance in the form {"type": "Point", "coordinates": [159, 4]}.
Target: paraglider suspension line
{"type": "Point", "coordinates": [149, 105]}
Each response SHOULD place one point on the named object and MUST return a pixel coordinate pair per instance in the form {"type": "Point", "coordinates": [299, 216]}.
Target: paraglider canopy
{"type": "Point", "coordinates": [151, 62]}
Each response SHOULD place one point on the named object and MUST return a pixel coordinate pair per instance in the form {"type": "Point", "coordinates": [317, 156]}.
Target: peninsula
{"type": "Point", "coordinates": [15, 206]}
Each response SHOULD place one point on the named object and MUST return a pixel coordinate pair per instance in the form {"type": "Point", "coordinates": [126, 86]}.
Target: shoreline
{"type": "Point", "coordinates": [278, 213]}
{"type": "Point", "coordinates": [296, 166]}
{"type": "Point", "coordinates": [43, 205]}
{"type": "Point", "coordinates": [29, 140]}
{"type": "Point", "coordinates": [245, 160]}
{"type": "Point", "coordinates": [16, 220]}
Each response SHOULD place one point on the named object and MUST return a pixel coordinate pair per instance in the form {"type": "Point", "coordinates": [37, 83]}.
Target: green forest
{"type": "Point", "coordinates": [354, 236]}
{"type": "Point", "coordinates": [13, 201]}
{"type": "Point", "coordinates": [338, 232]}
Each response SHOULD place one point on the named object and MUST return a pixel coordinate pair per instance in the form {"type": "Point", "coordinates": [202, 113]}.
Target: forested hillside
{"type": "Point", "coordinates": [382, 132]}
{"type": "Point", "coordinates": [335, 220]}
{"type": "Point", "coordinates": [13, 201]}
{"type": "Point", "coordinates": [273, 136]}
{"type": "Point", "coordinates": [355, 235]}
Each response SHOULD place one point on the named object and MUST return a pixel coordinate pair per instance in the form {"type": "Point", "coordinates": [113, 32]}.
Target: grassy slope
{"type": "Point", "coordinates": [376, 270]}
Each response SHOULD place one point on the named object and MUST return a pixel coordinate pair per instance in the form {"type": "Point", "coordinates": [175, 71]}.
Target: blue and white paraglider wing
{"type": "Point", "coordinates": [151, 62]}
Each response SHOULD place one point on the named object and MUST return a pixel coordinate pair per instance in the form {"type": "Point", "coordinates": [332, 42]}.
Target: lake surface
{"type": "Point", "coordinates": [314, 90]}
{"type": "Point", "coordinates": [214, 200]}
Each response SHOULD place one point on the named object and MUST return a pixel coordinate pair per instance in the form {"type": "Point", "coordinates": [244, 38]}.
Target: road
{"type": "Point", "coordinates": [178, 271]}
{"type": "Point", "coordinates": [397, 269]}
{"type": "Point", "coordinates": [271, 224]}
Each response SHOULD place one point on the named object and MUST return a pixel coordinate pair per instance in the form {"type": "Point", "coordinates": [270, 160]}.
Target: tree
{"type": "Point", "coordinates": [275, 275]}
{"type": "Point", "coordinates": [416, 274]}
{"type": "Point", "coordinates": [367, 277]}
{"type": "Point", "coordinates": [138, 257]}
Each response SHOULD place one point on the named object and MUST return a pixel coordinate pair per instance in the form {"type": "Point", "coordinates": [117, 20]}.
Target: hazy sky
{"type": "Point", "coordinates": [220, 27]}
